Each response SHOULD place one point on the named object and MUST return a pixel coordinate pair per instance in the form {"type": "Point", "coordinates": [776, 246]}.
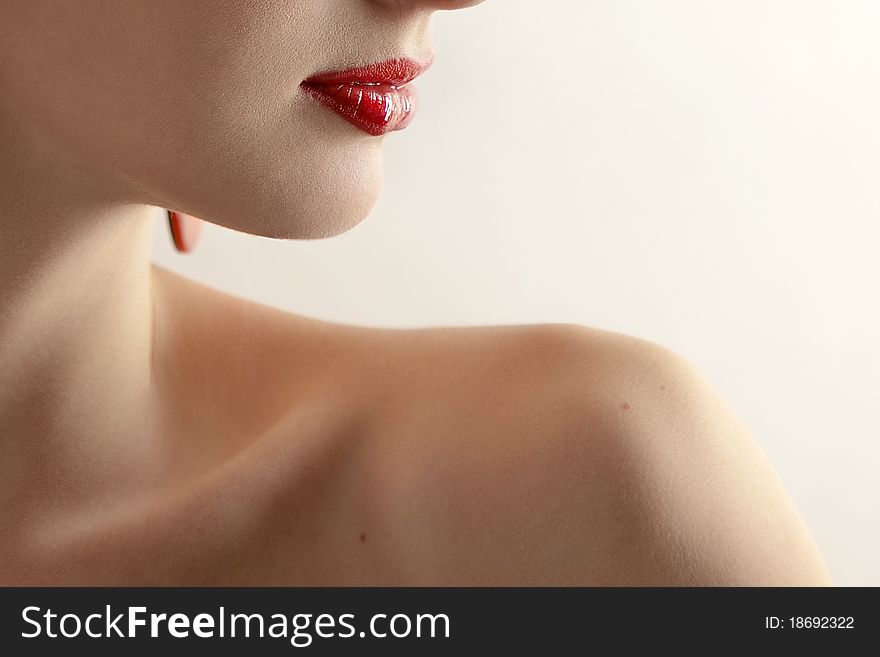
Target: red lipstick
{"type": "Point", "coordinates": [374, 98]}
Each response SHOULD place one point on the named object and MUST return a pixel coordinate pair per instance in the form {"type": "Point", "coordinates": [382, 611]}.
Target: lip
{"type": "Point", "coordinates": [375, 98]}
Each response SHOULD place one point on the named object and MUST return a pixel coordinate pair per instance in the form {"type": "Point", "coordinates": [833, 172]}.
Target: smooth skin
{"type": "Point", "coordinates": [157, 431]}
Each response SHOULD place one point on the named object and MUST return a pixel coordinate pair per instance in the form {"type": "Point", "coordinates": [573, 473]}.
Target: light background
{"type": "Point", "coordinates": [701, 174]}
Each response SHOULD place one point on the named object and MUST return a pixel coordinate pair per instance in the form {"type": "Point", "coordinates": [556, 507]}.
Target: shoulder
{"type": "Point", "coordinates": [562, 454]}
{"type": "Point", "coordinates": [543, 454]}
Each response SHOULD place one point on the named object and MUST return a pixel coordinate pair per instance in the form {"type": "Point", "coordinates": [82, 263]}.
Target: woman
{"type": "Point", "coordinates": [155, 431]}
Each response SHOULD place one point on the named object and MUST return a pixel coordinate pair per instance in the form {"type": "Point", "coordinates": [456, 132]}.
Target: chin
{"type": "Point", "coordinates": [325, 209]}
{"type": "Point", "coordinates": [302, 200]}
{"type": "Point", "coordinates": [323, 216]}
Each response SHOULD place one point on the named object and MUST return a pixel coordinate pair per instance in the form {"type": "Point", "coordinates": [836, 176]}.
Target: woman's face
{"type": "Point", "coordinates": [196, 105]}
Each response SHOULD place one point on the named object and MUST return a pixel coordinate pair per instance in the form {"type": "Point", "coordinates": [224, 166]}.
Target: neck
{"type": "Point", "coordinates": [76, 320]}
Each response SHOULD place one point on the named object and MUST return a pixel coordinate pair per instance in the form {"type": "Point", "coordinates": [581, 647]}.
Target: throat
{"type": "Point", "coordinates": [76, 338]}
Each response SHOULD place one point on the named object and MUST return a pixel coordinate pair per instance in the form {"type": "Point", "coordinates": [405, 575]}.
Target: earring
{"type": "Point", "coordinates": [185, 230]}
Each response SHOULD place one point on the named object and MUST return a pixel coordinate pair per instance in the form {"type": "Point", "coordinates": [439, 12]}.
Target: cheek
{"type": "Point", "coordinates": [199, 110]}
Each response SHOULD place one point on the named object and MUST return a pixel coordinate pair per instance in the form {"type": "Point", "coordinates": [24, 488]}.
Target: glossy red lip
{"type": "Point", "coordinates": [374, 98]}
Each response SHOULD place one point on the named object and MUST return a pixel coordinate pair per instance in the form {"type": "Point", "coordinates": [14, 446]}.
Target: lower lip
{"type": "Point", "coordinates": [376, 109]}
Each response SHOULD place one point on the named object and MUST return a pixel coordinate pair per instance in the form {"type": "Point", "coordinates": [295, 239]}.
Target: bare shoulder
{"type": "Point", "coordinates": [562, 454]}
{"type": "Point", "coordinates": [530, 454]}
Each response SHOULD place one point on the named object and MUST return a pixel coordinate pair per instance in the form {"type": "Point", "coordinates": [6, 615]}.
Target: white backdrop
{"type": "Point", "coordinates": [700, 173]}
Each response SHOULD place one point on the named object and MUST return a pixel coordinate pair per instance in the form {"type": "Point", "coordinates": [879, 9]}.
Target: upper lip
{"type": "Point", "coordinates": [396, 72]}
